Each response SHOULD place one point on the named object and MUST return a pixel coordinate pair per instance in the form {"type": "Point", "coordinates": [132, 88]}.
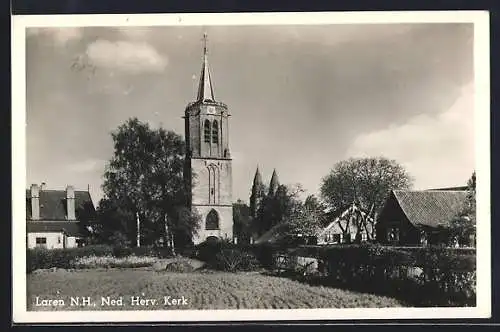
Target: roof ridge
{"type": "Point", "coordinates": [415, 205]}
{"type": "Point", "coordinates": [398, 199]}
{"type": "Point", "coordinates": [63, 190]}
{"type": "Point", "coordinates": [427, 190]}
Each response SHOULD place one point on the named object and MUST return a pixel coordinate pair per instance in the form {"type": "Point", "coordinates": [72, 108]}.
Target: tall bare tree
{"type": "Point", "coordinates": [365, 182]}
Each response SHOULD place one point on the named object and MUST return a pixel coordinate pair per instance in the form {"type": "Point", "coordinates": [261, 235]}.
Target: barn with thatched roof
{"type": "Point", "coordinates": [419, 217]}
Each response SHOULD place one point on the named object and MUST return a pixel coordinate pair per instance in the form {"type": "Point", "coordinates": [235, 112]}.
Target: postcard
{"type": "Point", "coordinates": [251, 167]}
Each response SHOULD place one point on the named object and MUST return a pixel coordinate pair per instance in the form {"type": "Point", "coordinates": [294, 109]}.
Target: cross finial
{"type": "Point", "coordinates": [205, 91]}
{"type": "Point", "coordinates": [205, 40]}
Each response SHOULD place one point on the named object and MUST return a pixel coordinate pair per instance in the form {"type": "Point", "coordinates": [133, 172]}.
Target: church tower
{"type": "Point", "coordinates": [257, 194]}
{"type": "Point", "coordinates": [274, 184]}
{"type": "Point", "coordinates": [208, 172]}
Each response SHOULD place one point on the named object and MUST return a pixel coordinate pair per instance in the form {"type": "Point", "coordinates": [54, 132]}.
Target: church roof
{"type": "Point", "coordinates": [205, 88]}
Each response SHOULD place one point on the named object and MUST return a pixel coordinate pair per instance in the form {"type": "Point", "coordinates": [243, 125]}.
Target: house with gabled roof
{"type": "Point", "coordinates": [416, 218]}
{"type": "Point", "coordinates": [55, 218]}
{"type": "Point", "coordinates": [346, 225]}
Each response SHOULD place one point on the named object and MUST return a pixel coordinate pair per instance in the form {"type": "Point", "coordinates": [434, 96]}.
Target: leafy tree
{"type": "Point", "coordinates": [365, 182]}
{"type": "Point", "coordinates": [286, 214]}
{"type": "Point", "coordinates": [86, 214]}
{"type": "Point", "coordinates": [115, 223]}
{"type": "Point", "coordinates": [242, 221]}
{"type": "Point", "coordinates": [463, 226]}
{"type": "Point", "coordinates": [305, 221]}
{"type": "Point", "coordinates": [144, 179]}
{"type": "Point", "coordinates": [277, 208]}
{"type": "Point", "coordinates": [315, 206]}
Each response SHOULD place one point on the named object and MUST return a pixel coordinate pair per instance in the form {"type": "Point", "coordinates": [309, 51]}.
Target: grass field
{"type": "Point", "coordinates": [216, 290]}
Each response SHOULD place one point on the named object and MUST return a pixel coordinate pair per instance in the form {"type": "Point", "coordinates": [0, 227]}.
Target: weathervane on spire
{"type": "Point", "coordinates": [205, 90]}
{"type": "Point", "coordinates": [205, 41]}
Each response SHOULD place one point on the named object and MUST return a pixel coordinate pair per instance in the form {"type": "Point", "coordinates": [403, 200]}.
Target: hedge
{"type": "Point", "coordinates": [40, 258]}
{"type": "Point", "coordinates": [420, 275]}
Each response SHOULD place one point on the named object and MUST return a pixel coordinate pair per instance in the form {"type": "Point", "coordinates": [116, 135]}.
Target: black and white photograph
{"type": "Point", "coordinates": [236, 167]}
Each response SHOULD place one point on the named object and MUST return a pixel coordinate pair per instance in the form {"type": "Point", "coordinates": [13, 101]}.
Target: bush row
{"type": "Point", "coordinates": [89, 262]}
{"type": "Point", "coordinates": [420, 275]}
{"type": "Point", "coordinates": [63, 258]}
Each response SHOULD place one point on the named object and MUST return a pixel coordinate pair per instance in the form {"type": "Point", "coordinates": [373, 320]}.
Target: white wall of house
{"type": "Point", "coordinates": [49, 240]}
{"type": "Point", "coordinates": [71, 242]}
{"type": "Point", "coordinates": [334, 234]}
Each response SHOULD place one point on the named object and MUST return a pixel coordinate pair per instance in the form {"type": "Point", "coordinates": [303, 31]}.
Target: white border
{"type": "Point", "coordinates": [480, 19]}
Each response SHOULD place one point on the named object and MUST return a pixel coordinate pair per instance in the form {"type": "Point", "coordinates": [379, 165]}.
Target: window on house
{"type": "Point", "coordinates": [212, 220]}
{"type": "Point", "coordinates": [364, 236]}
{"type": "Point", "coordinates": [423, 238]}
{"type": "Point", "coordinates": [80, 243]}
{"type": "Point", "coordinates": [472, 240]}
{"type": "Point", "coordinates": [393, 235]}
{"type": "Point", "coordinates": [207, 131]}
{"type": "Point", "coordinates": [335, 238]}
{"type": "Point", "coordinates": [59, 240]}
{"type": "Point", "coordinates": [215, 132]}
{"type": "Point", "coordinates": [41, 242]}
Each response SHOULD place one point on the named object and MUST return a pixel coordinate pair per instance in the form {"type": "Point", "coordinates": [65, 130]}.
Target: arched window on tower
{"type": "Point", "coordinates": [212, 220]}
{"type": "Point", "coordinates": [215, 132]}
{"type": "Point", "coordinates": [207, 131]}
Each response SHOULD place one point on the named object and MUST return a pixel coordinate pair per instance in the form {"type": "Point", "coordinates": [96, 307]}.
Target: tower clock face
{"type": "Point", "coordinates": [211, 110]}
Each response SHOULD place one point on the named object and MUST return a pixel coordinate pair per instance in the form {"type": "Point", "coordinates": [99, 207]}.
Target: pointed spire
{"type": "Point", "coordinates": [205, 89]}
{"type": "Point", "coordinates": [257, 179]}
{"type": "Point", "coordinates": [257, 193]}
{"type": "Point", "coordinates": [273, 186]}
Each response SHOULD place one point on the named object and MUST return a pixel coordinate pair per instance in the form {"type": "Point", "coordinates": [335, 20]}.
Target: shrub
{"type": "Point", "coordinates": [40, 258]}
{"type": "Point", "coordinates": [207, 250]}
{"type": "Point", "coordinates": [187, 252]}
{"type": "Point", "coordinates": [112, 262]}
{"type": "Point", "coordinates": [265, 254]}
{"type": "Point", "coordinates": [181, 266]}
{"type": "Point", "coordinates": [226, 256]}
{"type": "Point", "coordinates": [120, 251]}
{"type": "Point", "coordinates": [163, 252]}
{"type": "Point", "coordinates": [152, 251]}
{"type": "Point", "coordinates": [234, 259]}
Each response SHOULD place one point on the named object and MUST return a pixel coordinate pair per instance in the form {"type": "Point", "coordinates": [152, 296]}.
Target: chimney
{"type": "Point", "coordinates": [35, 202]}
{"type": "Point", "coordinates": [70, 202]}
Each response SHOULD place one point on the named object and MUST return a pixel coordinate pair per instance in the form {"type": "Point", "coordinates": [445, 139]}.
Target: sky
{"type": "Point", "coordinates": [301, 98]}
